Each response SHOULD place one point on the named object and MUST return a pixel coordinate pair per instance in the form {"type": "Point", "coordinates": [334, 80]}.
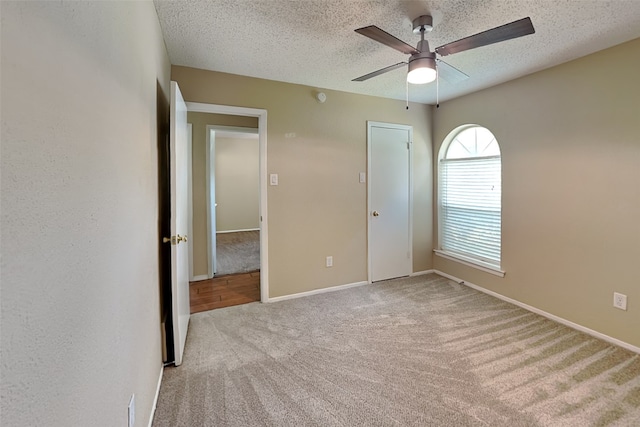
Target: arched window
{"type": "Point", "coordinates": [470, 189]}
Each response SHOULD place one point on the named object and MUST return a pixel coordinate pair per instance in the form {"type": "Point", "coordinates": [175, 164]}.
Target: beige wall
{"type": "Point", "coordinates": [571, 187]}
{"type": "Point", "coordinates": [319, 208]}
{"type": "Point", "coordinates": [79, 247]}
{"type": "Point", "coordinates": [199, 122]}
{"type": "Point", "coordinates": [237, 183]}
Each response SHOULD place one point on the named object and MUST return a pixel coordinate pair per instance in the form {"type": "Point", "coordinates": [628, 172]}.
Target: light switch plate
{"type": "Point", "coordinates": [273, 179]}
{"type": "Point", "coordinates": [363, 177]}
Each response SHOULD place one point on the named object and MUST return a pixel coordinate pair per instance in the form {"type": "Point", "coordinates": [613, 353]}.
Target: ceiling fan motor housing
{"type": "Point", "coordinates": [424, 21]}
{"type": "Point", "coordinates": [422, 58]}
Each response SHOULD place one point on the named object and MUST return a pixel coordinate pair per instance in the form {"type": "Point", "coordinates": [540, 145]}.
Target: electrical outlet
{"type": "Point", "coordinates": [132, 410]}
{"type": "Point", "coordinates": [620, 301]}
{"type": "Point", "coordinates": [329, 261]}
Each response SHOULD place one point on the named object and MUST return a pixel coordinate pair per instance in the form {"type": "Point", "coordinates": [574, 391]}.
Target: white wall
{"type": "Point", "coordinates": [79, 273]}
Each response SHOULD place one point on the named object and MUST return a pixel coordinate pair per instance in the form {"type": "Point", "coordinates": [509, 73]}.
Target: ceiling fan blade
{"type": "Point", "coordinates": [450, 73]}
{"type": "Point", "coordinates": [385, 38]}
{"type": "Point", "coordinates": [381, 71]}
{"type": "Point", "coordinates": [515, 29]}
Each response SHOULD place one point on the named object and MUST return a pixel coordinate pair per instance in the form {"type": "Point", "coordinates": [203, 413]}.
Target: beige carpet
{"type": "Point", "coordinates": [237, 252]}
{"type": "Point", "coordinates": [421, 351]}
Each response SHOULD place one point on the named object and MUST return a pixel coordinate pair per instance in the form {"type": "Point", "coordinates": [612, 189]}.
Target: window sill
{"type": "Point", "coordinates": [486, 267]}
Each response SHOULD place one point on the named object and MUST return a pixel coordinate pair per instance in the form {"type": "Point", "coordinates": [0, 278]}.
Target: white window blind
{"type": "Point", "coordinates": [471, 207]}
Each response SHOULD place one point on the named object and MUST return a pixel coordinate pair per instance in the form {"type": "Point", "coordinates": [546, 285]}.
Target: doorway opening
{"type": "Point", "coordinates": [233, 207]}
{"type": "Point", "coordinates": [228, 206]}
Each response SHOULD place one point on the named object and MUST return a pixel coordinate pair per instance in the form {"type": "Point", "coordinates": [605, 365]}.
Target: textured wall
{"type": "Point", "coordinates": [319, 208]}
{"type": "Point", "coordinates": [571, 187]}
{"type": "Point", "coordinates": [79, 275]}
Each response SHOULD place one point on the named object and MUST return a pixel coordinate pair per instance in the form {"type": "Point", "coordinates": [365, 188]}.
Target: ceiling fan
{"type": "Point", "coordinates": [424, 66]}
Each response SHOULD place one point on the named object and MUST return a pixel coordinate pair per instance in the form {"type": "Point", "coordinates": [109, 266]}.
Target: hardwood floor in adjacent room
{"type": "Point", "coordinates": [224, 291]}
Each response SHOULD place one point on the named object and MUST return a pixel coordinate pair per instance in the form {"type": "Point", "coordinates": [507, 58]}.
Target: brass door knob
{"type": "Point", "coordinates": [173, 240]}
{"type": "Point", "coordinates": [375, 213]}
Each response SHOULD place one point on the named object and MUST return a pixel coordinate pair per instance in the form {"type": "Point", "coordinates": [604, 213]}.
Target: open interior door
{"type": "Point", "coordinates": [180, 310]}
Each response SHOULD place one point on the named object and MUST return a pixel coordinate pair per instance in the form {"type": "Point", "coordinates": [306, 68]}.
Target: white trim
{"type": "Point", "coordinates": [236, 130]}
{"type": "Point", "coordinates": [261, 114]}
{"type": "Point", "coordinates": [210, 150]}
{"type": "Point", "coordinates": [317, 291]}
{"type": "Point", "coordinates": [237, 231]}
{"type": "Point", "coordinates": [236, 134]}
{"type": "Point", "coordinates": [199, 278]}
{"type": "Point", "coordinates": [409, 129]}
{"type": "Point", "coordinates": [487, 268]}
{"type": "Point", "coordinates": [422, 273]}
{"type": "Point", "coordinates": [543, 313]}
{"type": "Point", "coordinates": [155, 398]}
{"type": "Point", "coordinates": [199, 107]}
{"type": "Point", "coordinates": [190, 196]}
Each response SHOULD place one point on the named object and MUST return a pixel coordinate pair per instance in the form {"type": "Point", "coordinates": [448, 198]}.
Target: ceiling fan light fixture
{"type": "Point", "coordinates": [421, 71]}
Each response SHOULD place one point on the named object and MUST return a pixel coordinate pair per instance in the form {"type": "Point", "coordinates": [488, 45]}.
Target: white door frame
{"type": "Point", "coordinates": [370, 125]}
{"type": "Point", "coordinates": [210, 185]}
{"type": "Point", "coordinates": [198, 107]}
{"type": "Point", "coordinates": [190, 196]}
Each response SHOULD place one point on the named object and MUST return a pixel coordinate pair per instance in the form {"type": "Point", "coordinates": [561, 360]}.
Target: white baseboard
{"type": "Point", "coordinates": [237, 231]}
{"type": "Point", "coordinates": [421, 273]}
{"type": "Point", "coordinates": [317, 291]}
{"type": "Point", "coordinates": [155, 399]}
{"type": "Point", "coordinates": [543, 313]}
{"type": "Point", "coordinates": [199, 278]}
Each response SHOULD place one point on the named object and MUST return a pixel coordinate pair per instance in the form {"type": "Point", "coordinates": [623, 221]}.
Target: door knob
{"type": "Point", "coordinates": [375, 213]}
{"type": "Point", "coordinates": [173, 240]}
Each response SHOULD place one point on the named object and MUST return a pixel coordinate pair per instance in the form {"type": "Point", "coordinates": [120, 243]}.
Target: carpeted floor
{"type": "Point", "coordinates": [421, 351]}
{"type": "Point", "coordinates": [237, 252]}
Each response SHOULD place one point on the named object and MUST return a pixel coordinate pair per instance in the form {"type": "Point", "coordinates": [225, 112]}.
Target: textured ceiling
{"type": "Point", "coordinates": [312, 42]}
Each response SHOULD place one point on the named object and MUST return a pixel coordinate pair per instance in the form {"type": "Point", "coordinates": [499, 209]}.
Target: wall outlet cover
{"type": "Point", "coordinates": [620, 301]}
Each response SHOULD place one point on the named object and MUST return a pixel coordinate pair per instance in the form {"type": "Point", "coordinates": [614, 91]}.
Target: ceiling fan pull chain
{"type": "Point", "coordinates": [437, 90]}
{"type": "Point", "coordinates": [407, 92]}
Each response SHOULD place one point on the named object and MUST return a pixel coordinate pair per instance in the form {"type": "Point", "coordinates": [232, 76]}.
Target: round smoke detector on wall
{"type": "Point", "coordinates": [321, 97]}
